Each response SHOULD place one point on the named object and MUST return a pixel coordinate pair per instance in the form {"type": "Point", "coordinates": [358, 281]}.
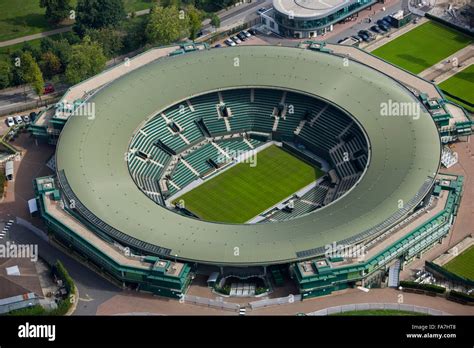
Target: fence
{"type": "Point", "coordinates": [274, 301]}
{"type": "Point", "coordinates": [377, 306]}
{"type": "Point", "coordinates": [208, 302]}
{"type": "Point", "coordinates": [18, 302]}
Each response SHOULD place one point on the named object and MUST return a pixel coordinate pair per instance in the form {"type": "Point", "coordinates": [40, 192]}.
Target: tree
{"type": "Point", "coordinates": [87, 59]}
{"type": "Point", "coordinates": [215, 20]}
{"type": "Point", "coordinates": [50, 64]}
{"type": "Point", "coordinates": [56, 10]}
{"type": "Point", "coordinates": [60, 48]}
{"type": "Point", "coordinates": [96, 14]}
{"type": "Point", "coordinates": [5, 74]}
{"type": "Point", "coordinates": [194, 21]}
{"type": "Point", "coordinates": [31, 73]}
{"type": "Point", "coordinates": [165, 25]}
{"type": "Point", "coordinates": [110, 40]}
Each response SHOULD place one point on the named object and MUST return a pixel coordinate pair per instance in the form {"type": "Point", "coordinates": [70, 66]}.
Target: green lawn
{"type": "Point", "coordinates": [463, 264]}
{"type": "Point", "coordinates": [423, 47]}
{"type": "Point", "coordinates": [379, 312]}
{"type": "Point", "coordinates": [461, 85]}
{"type": "Point", "coordinates": [242, 192]}
{"type": "Point", "coordinates": [24, 17]}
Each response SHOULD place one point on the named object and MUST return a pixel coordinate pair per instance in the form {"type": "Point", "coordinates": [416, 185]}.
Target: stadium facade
{"type": "Point", "coordinates": [309, 18]}
{"type": "Point", "coordinates": [117, 173]}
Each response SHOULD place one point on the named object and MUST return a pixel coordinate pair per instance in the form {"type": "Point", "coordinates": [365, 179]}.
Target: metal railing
{"type": "Point", "coordinates": [377, 306]}
{"type": "Point", "coordinates": [214, 303]}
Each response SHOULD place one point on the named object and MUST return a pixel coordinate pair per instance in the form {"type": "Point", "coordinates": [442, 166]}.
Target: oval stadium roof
{"type": "Point", "coordinates": [405, 154]}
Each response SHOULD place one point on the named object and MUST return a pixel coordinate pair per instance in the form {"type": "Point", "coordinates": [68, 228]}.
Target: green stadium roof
{"type": "Point", "coordinates": [405, 154]}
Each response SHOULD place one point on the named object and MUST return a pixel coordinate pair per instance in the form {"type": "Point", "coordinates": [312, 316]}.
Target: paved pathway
{"type": "Point", "coordinates": [35, 36]}
{"type": "Point", "coordinates": [446, 75]}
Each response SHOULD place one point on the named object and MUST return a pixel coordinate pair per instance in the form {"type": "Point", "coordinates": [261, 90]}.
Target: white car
{"type": "Point", "coordinates": [236, 39]}
{"type": "Point", "coordinates": [18, 120]}
{"type": "Point", "coordinates": [246, 33]}
{"type": "Point", "coordinates": [229, 42]}
{"type": "Point", "coordinates": [10, 121]}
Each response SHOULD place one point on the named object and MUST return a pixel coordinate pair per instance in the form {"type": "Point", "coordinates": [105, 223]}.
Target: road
{"type": "Point", "coordinates": [12, 99]}
{"type": "Point", "coordinates": [239, 15]}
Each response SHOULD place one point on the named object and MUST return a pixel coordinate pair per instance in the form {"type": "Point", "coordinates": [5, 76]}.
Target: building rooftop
{"type": "Point", "coordinates": [307, 8]}
{"type": "Point", "coordinates": [404, 159]}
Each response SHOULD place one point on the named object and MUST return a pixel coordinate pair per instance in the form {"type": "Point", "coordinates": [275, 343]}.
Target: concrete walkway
{"type": "Point", "coordinates": [454, 71]}
{"type": "Point", "coordinates": [35, 36]}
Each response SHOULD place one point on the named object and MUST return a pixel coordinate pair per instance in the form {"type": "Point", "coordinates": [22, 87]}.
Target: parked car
{"type": "Point", "coordinates": [368, 34]}
{"type": "Point", "coordinates": [236, 40]}
{"type": "Point", "coordinates": [242, 37]}
{"type": "Point", "coordinates": [218, 46]}
{"type": "Point", "coordinates": [363, 37]}
{"type": "Point", "coordinates": [383, 28]}
{"type": "Point", "coordinates": [376, 29]}
{"type": "Point", "coordinates": [356, 38]}
{"type": "Point", "coordinates": [384, 23]}
{"type": "Point", "coordinates": [389, 20]}
{"type": "Point", "coordinates": [252, 31]}
{"type": "Point", "coordinates": [229, 42]}
{"type": "Point", "coordinates": [10, 121]}
{"type": "Point", "coordinates": [48, 88]}
{"type": "Point", "coordinates": [26, 119]}
{"type": "Point", "coordinates": [261, 10]}
{"type": "Point", "coordinates": [18, 120]}
{"type": "Point", "coordinates": [246, 33]}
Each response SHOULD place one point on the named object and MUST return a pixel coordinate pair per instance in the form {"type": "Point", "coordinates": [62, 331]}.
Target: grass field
{"type": "Point", "coordinates": [378, 312]}
{"type": "Point", "coordinates": [423, 47]}
{"type": "Point", "coordinates": [24, 17]}
{"type": "Point", "coordinates": [463, 264]}
{"type": "Point", "coordinates": [461, 85]}
{"type": "Point", "coordinates": [242, 192]}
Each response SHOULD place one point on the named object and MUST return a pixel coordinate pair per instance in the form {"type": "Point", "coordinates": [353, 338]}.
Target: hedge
{"type": "Point", "coordinates": [426, 287]}
{"type": "Point", "coordinates": [60, 271]}
{"type": "Point", "coordinates": [461, 296]}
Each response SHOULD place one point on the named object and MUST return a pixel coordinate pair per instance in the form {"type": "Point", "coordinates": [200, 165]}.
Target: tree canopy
{"type": "Point", "coordinates": [97, 14]}
{"type": "Point", "coordinates": [87, 59]}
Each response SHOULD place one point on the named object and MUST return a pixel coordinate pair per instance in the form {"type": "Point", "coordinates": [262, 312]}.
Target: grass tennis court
{"type": "Point", "coordinates": [461, 86]}
{"type": "Point", "coordinates": [463, 264]}
{"type": "Point", "coordinates": [423, 47]}
{"type": "Point", "coordinates": [242, 192]}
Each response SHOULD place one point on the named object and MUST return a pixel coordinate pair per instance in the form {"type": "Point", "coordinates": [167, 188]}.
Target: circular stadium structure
{"type": "Point", "coordinates": [155, 127]}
